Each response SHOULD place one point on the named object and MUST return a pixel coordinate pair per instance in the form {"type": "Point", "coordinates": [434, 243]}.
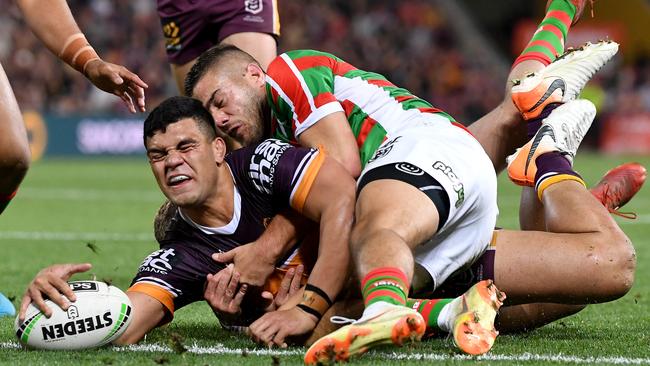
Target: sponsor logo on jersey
{"type": "Point", "coordinates": [409, 169]}
{"type": "Point", "coordinates": [80, 326]}
{"type": "Point", "coordinates": [263, 163]}
{"type": "Point", "coordinates": [384, 150]}
{"type": "Point", "coordinates": [171, 31]}
{"type": "Point", "coordinates": [83, 286]}
{"type": "Point", "coordinates": [457, 185]}
{"type": "Point", "coordinates": [253, 6]}
{"type": "Point", "coordinates": [158, 261]}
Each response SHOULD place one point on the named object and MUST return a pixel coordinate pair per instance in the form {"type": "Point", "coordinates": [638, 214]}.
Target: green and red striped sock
{"type": "Point", "coordinates": [548, 41]}
{"type": "Point", "coordinates": [430, 311]}
{"type": "Point", "coordinates": [388, 284]}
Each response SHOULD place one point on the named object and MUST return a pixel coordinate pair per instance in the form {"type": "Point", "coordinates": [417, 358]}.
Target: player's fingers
{"type": "Point", "coordinates": [280, 337]}
{"type": "Point", "coordinates": [240, 296]}
{"type": "Point", "coordinates": [285, 285]}
{"type": "Point", "coordinates": [225, 257]}
{"type": "Point", "coordinates": [37, 299]}
{"type": "Point", "coordinates": [232, 285]}
{"type": "Point", "coordinates": [54, 295]}
{"type": "Point", "coordinates": [24, 304]}
{"type": "Point", "coordinates": [63, 288]}
{"type": "Point", "coordinates": [135, 79]}
{"type": "Point", "coordinates": [128, 101]}
{"type": "Point", "coordinates": [297, 278]}
{"type": "Point", "coordinates": [78, 268]}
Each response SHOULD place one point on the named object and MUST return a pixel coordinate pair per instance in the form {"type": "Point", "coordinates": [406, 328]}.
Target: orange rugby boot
{"type": "Point", "coordinates": [562, 80]}
{"type": "Point", "coordinates": [392, 324]}
{"type": "Point", "coordinates": [563, 131]}
{"type": "Point", "coordinates": [473, 330]}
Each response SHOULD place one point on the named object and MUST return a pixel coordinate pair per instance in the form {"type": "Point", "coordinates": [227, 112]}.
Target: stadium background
{"type": "Point", "coordinates": [453, 53]}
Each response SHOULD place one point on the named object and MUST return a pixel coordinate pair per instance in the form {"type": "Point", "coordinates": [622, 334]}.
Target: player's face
{"type": "Point", "coordinates": [235, 105]}
{"type": "Point", "coordinates": [183, 160]}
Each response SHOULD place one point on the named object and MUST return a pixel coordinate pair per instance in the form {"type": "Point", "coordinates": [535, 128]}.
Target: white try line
{"type": "Point", "coordinates": [220, 349]}
{"type": "Point", "coordinates": [72, 236]}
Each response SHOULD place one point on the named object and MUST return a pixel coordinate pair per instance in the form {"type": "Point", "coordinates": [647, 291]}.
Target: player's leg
{"type": "Point", "coordinates": [502, 130]}
{"type": "Point", "coordinates": [14, 147]}
{"type": "Point", "coordinates": [585, 257]}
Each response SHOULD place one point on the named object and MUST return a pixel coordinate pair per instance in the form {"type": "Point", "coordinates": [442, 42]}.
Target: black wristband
{"type": "Point", "coordinates": [322, 293]}
{"type": "Point", "coordinates": [309, 310]}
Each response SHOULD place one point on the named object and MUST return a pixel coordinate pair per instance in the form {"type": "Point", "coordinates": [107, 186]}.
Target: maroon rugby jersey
{"type": "Point", "coordinates": [269, 178]}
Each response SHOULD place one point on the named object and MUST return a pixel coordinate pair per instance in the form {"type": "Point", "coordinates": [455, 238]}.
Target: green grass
{"type": "Point", "coordinates": [95, 199]}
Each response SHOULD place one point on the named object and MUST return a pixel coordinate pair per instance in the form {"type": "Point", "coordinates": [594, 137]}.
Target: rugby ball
{"type": "Point", "coordinates": [99, 316]}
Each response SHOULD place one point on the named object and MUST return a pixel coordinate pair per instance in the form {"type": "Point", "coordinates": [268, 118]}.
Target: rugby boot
{"type": "Point", "coordinates": [473, 330]}
{"type": "Point", "coordinates": [618, 186]}
{"type": "Point", "coordinates": [392, 324]}
{"type": "Point", "coordinates": [563, 131]}
{"type": "Point", "coordinates": [580, 7]}
{"type": "Point", "coordinates": [562, 80]}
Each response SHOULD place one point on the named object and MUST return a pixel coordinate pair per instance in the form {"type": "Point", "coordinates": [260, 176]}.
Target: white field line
{"type": "Point", "coordinates": [83, 194]}
{"type": "Point", "coordinates": [404, 356]}
{"type": "Point", "coordinates": [72, 236]}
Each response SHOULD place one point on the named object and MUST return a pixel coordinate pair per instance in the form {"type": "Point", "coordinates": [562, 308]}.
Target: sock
{"type": "Point", "coordinates": [534, 124]}
{"type": "Point", "coordinates": [387, 284]}
{"type": "Point", "coordinates": [553, 168]}
{"type": "Point", "coordinates": [548, 41]}
{"type": "Point", "coordinates": [430, 311]}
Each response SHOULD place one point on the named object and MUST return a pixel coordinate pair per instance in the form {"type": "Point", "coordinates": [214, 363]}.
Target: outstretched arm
{"type": "Point", "coordinates": [52, 22]}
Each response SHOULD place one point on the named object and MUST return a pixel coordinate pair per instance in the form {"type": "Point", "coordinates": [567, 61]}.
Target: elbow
{"type": "Point", "coordinates": [353, 166]}
{"type": "Point", "coordinates": [14, 166]}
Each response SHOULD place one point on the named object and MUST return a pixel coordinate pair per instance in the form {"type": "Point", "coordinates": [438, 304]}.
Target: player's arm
{"type": "Point", "coordinates": [147, 313]}
{"type": "Point", "coordinates": [256, 261]}
{"type": "Point", "coordinates": [330, 201]}
{"type": "Point", "coordinates": [334, 134]}
{"type": "Point", "coordinates": [52, 22]}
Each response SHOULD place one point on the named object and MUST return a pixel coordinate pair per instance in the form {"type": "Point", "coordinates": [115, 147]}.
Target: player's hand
{"type": "Point", "coordinates": [274, 327]}
{"type": "Point", "coordinates": [118, 80]}
{"type": "Point", "coordinates": [288, 287]}
{"type": "Point", "coordinates": [223, 292]}
{"type": "Point", "coordinates": [51, 282]}
{"type": "Point", "coordinates": [254, 264]}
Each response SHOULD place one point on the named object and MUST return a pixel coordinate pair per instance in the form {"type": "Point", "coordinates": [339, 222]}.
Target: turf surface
{"type": "Point", "coordinates": [67, 208]}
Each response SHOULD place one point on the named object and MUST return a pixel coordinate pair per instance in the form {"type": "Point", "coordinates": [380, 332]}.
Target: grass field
{"type": "Point", "coordinates": [65, 204]}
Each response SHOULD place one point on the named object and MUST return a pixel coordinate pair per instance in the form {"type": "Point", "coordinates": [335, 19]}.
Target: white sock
{"type": "Point", "coordinates": [448, 314]}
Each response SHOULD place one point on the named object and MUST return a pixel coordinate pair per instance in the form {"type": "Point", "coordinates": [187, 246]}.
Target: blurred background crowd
{"type": "Point", "coordinates": [451, 53]}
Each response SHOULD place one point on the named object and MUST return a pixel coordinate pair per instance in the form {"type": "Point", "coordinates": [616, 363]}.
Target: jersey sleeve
{"type": "Point", "coordinates": [300, 90]}
{"type": "Point", "coordinates": [283, 172]}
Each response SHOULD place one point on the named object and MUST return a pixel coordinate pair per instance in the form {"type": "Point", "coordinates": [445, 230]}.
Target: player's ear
{"type": "Point", "coordinates": [255, 72]}
{"type": "Point", "coordinates": [220, 150]}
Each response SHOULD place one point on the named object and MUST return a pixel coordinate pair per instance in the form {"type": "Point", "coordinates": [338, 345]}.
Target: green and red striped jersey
{"type": "Point", "coordinates": [304, 86]}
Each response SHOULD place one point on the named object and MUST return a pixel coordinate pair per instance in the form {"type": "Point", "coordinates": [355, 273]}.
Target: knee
{"type": "Point", "coordinates": [614, 264]}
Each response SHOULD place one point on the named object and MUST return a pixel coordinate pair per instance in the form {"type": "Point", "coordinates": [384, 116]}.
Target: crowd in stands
{"type": "Point", "coordinates": [408, 41]}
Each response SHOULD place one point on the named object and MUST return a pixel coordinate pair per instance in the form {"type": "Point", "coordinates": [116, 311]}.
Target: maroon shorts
{"type": "Point", "coordinates": [192, 26]}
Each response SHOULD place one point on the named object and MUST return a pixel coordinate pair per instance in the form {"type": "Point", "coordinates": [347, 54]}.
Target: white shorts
{"type": "Point", "coordinates": [457, 161]}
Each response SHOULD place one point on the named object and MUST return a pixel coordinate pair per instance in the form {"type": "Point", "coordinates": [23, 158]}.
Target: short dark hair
{"type": "Point", "coordinates": [212, 57]}
{"type": "Point", "coordinates": [174, 109]}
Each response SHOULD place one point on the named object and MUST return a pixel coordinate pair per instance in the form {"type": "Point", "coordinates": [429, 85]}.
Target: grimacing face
{"type": "Point", "coordinates": [183, 161]}
{"type": "Point", "coordinates": [235, 105]}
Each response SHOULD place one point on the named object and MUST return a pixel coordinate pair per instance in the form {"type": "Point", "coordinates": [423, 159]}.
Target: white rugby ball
{"type": "Point", "coordinates": [99, 316]}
